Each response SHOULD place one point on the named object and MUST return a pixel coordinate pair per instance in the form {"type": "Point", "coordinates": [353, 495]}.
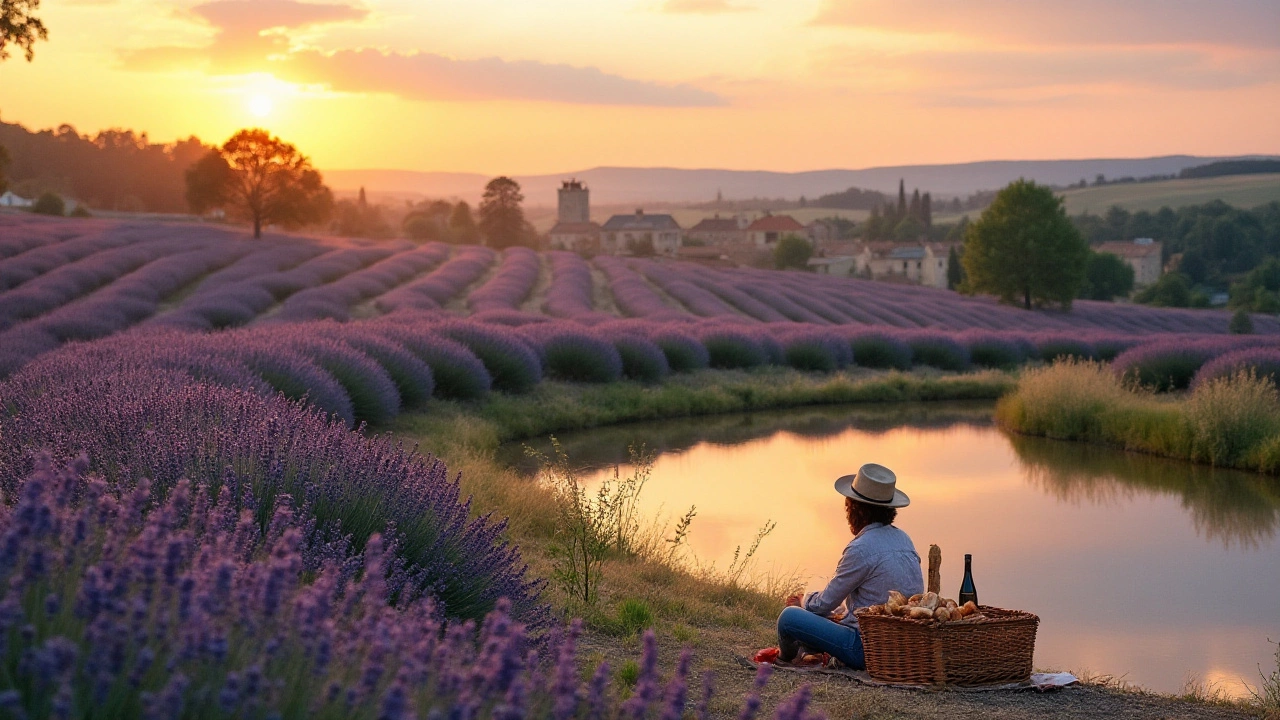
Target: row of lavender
{"type": "Point", "coordinates": [110, 277]}
{"type": "Point", "coordinates": [177, 549]}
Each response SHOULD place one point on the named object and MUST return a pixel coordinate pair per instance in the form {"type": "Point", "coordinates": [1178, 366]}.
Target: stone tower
{"type": "Point", "coordinates": [575, 202]}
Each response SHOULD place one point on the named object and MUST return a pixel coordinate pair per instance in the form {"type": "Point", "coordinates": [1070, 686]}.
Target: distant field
{"type": "Point", "coordinates": [1244, 191]}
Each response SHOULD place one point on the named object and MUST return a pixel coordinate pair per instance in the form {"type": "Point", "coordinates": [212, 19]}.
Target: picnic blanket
{"type": "Point", "coordinates": [1042, 682]}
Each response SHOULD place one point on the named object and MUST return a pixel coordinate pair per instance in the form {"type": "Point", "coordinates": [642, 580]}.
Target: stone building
{"type": "Point", "coordinates": [719, 231]}
{"type": "Point", "coordinates": [918, 263]}
{"type": "Point", "coordinates": [1144, 255]}
{"type": "Point", "coordinates": [767, 230]}
{"type": "Point", "coordinates": [573, 229]}
{"type": "Point", "coordinates": [634, 234]}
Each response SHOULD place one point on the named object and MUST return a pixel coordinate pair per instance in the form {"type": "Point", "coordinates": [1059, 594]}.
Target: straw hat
{"type": "Point", "coordinates": [874, 485]}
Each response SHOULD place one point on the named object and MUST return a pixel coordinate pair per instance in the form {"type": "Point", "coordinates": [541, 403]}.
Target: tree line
{"type": "Point", "coordinates": [114, 169]}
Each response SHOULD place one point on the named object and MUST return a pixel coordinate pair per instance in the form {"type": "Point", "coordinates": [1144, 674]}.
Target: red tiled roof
{"type": "Point", "coordinates": [775, 223]}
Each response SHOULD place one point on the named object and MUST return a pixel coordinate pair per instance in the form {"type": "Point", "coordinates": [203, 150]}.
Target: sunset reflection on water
{"type": "Point", "coordinates": [1152, 570]}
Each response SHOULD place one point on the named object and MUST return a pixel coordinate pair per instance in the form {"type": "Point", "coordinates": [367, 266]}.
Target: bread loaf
{"type": "Point", "coordinates": [919, 613]}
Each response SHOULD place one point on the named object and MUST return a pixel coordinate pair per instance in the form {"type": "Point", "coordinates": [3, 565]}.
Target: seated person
{"type": "Point", "coordinates": [880, 558]}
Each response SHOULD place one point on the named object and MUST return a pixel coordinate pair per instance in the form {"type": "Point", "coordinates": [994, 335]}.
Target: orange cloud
{"type": "Point", "coordinates": [425, 76]}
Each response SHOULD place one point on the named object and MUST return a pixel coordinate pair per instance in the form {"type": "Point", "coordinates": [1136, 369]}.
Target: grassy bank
{"type": "Point", "coordinates": [1231, 422]}
{"type": "Point", "coordinates": [720, 617]}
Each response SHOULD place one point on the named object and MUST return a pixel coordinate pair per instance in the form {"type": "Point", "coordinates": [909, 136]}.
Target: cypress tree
{"type": "Point", "coordinates": [914, 210]}
{"type": "Point", "coordinates": [926, 210]}
{"type": "Point", "coordinates": [902, 201]}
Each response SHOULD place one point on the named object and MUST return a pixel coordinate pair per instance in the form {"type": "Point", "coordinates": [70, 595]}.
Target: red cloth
{"type": "Point", "coordinates": [767, 655]}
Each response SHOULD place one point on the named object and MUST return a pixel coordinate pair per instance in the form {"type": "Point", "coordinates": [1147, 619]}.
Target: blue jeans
{"type": "Point", "coordinates": [797, 626]}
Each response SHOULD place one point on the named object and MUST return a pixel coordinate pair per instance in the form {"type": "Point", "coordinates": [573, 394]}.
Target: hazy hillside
{"type": "Point", "coordinates": [648, 185]}
{"type": "Point", "coordinates": [1243, 191]}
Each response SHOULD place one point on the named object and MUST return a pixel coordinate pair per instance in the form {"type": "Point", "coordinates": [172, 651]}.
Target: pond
{"type": "Point", "coordinates": [1151, 570]}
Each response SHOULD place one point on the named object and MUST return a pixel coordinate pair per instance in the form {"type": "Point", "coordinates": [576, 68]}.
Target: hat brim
{"type": "Point", "coordinates": [844, 486]}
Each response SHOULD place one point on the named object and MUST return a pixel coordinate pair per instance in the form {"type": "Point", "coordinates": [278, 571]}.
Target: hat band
{"type": "Point", "coordinates": [869, 499]}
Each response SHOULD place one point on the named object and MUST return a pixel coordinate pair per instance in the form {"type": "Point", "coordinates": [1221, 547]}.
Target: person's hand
{"type": "Point", "coordinates": [794, 600]}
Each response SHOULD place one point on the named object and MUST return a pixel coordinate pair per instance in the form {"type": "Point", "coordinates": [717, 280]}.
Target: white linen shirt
{"type": "Point", "coordinates": [878, 559]}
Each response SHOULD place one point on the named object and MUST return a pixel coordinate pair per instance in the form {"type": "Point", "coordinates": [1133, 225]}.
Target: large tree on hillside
{"type": "Point", "coordinates": [501, 219]}
{"type": "Point", "coordinates": [262, 179]}
{"type": "Point", "coordinates": [19, 27]}
{"type": "Point", "coordinates": [1024, 249]}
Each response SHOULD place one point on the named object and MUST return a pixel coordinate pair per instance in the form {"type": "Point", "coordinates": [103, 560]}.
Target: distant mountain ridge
{"type": "Point", "coordinates": [620, 185]}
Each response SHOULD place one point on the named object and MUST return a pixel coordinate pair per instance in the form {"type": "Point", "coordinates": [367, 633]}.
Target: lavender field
{"type": "Point", "coordinates": [177, 453]}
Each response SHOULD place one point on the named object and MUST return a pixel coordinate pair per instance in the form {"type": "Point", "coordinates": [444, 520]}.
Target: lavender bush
{"type": "Point", "coordinates": [880, 350]}
{"type": "Point", "coordinates": [514, 367]}
{"type": "Point", "coordinates": [119, 605]}
{"type": "Point", "coordinates": [733, 349]}
{"type": "Point", "coordinates": [1263, 361]}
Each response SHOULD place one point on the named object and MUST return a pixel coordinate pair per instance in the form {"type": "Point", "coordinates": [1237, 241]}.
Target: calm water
{"type": "Point", "coordinates": [1153, 570]}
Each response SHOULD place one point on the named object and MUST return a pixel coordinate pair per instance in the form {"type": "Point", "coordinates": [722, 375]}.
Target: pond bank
{"type": "Point", "coordinates": [1231, 422]}
{"type": "Point", "coordinates": [719, 621]}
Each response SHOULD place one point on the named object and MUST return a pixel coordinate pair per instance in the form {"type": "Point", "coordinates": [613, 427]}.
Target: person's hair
{"type": "Point", "coordinates": [861, 514]}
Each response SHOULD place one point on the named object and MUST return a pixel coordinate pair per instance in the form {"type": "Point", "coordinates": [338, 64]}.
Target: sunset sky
{"type": "Point", "coordinates": [531, 86]}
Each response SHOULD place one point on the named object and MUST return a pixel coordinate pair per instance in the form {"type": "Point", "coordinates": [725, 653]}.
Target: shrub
{"type": "Point", "coordinates": [1241, 323]}
{"type": "Point", "coordinates": [132, 608]}
{"type": "Point", "coordinates": [1263, 362]}
{"type": "Point", "coordinates": [641, 359]}
{"type": "Point", "coordinates": [49, 204]}
{"type": "Point", "coordinates": [374, 397]}
{"type": "Point", "coordinates": [1230, 416]}
{"type": "Point", "coordinates": [1062, 347]}
{"type": "Point", "coordinates": [733, 349]}
{"type": "Point", "coordinates": [413, 378]}
{"type": "Point", "coordinates": [994, 351]}
{"type": "Point", "coordinates": [293, 375]}
{"type": "Point", "coordinates": [936, 350]}
{"type": "Point", "coordinates": [581, 356]}
{"type": "Point", "coordinates": [138, 425]}
{"type": "Point", "coordinates": [1165, 364]}
{"type": "Point", "coordinates": [458, 373]}
{"type": "Point", "coordinates": [1065, 400]}
{"type": "Point", "coordinates": [684, 352]}
{"type": "Point", "coordinates": [634, 615]}
{"type": "Point", "coordinates": [878, 350]}
{"type": "Point", "coordinates": [815, 350]}
{"type": "Point", "coordinates": [514, 367]}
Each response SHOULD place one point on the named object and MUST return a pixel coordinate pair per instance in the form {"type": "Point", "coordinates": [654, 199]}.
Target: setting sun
{"type": "Point", "coordinates": [260, 104]}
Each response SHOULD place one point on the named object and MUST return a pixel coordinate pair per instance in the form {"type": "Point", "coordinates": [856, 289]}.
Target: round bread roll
{"type": "Point", "coordinates": [942, 614]}
{"type": "Point", "coordinates": [968, 609]}
{"type": "Point", "coordinates": [919, 613]}
{"type": "Point", "coordinates": [897, 597]}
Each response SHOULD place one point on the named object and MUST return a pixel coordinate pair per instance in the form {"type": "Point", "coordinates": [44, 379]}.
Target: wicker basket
{"type": "Point", "coordinates": [992, 650]}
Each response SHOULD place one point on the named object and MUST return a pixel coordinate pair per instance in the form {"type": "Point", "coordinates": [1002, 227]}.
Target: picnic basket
{"type": "Point", "coordinates": [994, 649]}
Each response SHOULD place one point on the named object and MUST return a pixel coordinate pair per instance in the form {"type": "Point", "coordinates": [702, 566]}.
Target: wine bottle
{"type": "Point", "coordinates": [967, 590]}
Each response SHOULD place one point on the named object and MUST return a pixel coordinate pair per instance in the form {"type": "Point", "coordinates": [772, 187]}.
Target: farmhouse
{"type": "Point", "coordinates": [919, 263]}
{"type": "Point", "coordinates": [11, 200]}
{"type": "Point", "coordinates": [1144, 255]}
{"type": "Point", "coordinates": [720, 231]}
{"type": "Point", "coordinates": [838, 266]}
{"type": "Point", "coordinates": [635, 234]}
{"type": "Point", "coordinates": [769, 229]}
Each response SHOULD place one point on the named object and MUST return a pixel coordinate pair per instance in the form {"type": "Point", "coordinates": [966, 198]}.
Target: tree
{"type": "Point", "coordinates": [902, 200]}
{"type": "Point", "coordinates": [501, 219]}
{"type": "Point", "coordinates": [955, 270]}
{"type": "Point", "coordinates": [910, 229]}
{"type": "Point", "coordinates": [1171, 290]}
{"type": "Point", "coordinates": [262, 179]}
{"type": "Point", "coordinates": [1106, 277]}
{"type": "Point", "coordinates": [19, 27]}
{"type": "Point", "coordinates": [792, 252]}
{"type": "Point", "coordinates": [1023, 248]}
{"type": "Point", "coordinates": [49, 204]}
{"type": "Point", "coordinates": [360, 219]}
{"type": "Point", "coordinates": [926, 210]}
{"type": "Point", "coordinates": [4, 165]}
{"type": "Point", "coordinates": [462, 226]}
{"type": "Point", "coordinates": [1241, 323]}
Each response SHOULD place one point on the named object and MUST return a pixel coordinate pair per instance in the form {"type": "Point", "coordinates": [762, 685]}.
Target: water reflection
{"type": "Point", "coordinates": [1141, 567]}
{"type": "Point", "coordinates": [1224, 505]}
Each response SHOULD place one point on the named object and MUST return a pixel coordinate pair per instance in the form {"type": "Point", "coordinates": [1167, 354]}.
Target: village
{"type": "Point", "coordinates": [749, 239]}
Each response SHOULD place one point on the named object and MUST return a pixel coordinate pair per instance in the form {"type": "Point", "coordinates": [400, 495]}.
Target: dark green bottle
{"type": "Point", "coordinates": [967, 590]}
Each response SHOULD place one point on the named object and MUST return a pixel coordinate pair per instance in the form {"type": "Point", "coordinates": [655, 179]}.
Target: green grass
{"type": "Point", "coordinates": [1243, 191]}
{"type": "Point", "coordinates": [1232, 422]}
